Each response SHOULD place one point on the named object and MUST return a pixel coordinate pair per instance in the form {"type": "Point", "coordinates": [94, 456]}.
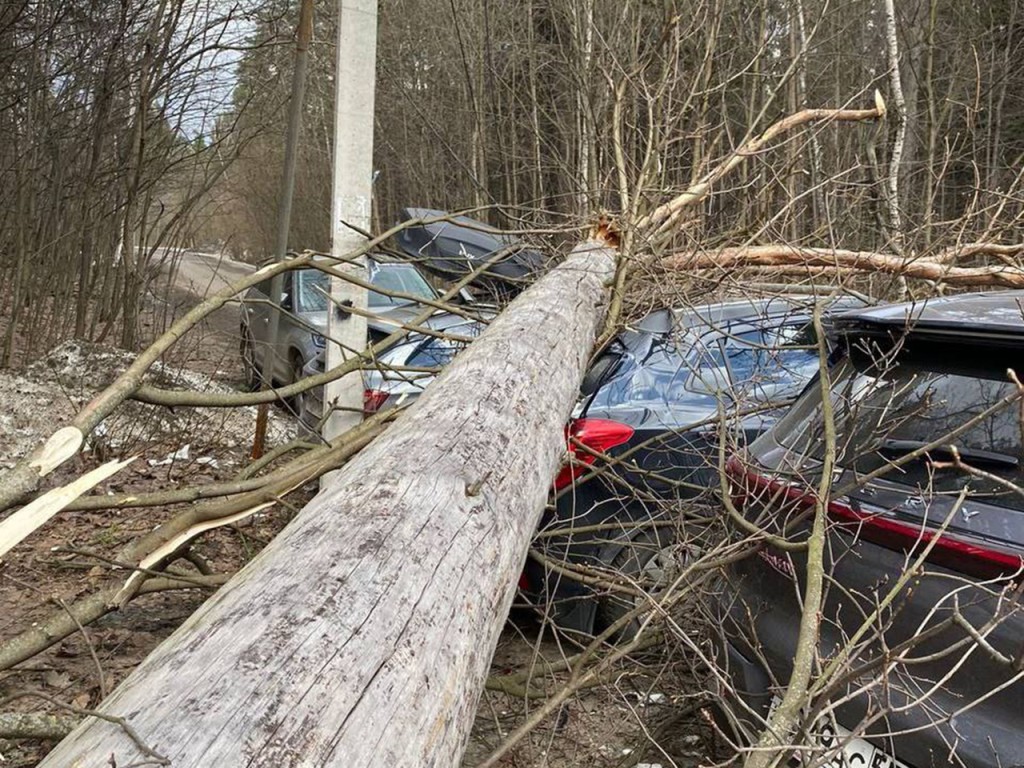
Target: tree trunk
{"type": "Point", "coordinates": [362, 635]}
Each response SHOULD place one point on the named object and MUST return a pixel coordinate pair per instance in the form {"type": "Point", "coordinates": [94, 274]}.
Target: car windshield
{"type": "Point", "coordinates": [884, 413]}
{"type": "Point", "coordinates": [753, 364]}
{"type": "Point", "coordinates": [399, 278]}
{"type": "Point", "coordinates": [314, 285]}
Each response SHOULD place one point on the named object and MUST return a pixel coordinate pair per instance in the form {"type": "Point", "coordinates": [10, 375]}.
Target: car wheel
{"type": "Point", "coordinates": [247, 349]}
{"type": "Point", "coordinates": [654, 560]}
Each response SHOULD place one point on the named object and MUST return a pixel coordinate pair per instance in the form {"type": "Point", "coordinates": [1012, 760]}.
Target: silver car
{"type": "Point", "coordinates": [303, 322]}
{"type": "Point", "coordinates": [388, 385]}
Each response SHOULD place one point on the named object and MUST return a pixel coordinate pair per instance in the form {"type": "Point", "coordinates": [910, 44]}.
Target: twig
{"type": "Point", "coordinates": [100, 677]}
{"type": "Point", "coordinates": [121, 722]}
{"type": "Point", "coordinates": [661, 219]}
{"type": "Point", "coordinates": [782, 722]}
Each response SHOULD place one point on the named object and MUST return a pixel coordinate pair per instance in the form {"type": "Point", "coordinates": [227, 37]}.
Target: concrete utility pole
{"type": "Point", "coordinates": [350, 201]}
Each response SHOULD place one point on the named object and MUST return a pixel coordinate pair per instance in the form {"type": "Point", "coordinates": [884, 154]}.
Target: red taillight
{"type": "Point", "coordinates": [949, 551]}
{"type": "Point", "coordinates": [598, 435]}
{"type": "Point", "coordinates": [373, 399]}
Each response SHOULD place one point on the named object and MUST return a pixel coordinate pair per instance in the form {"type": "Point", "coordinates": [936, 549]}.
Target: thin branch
{"type": "Point", "coordinates": [662, 218]}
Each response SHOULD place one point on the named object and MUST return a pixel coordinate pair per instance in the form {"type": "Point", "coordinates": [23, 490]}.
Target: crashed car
{"type": "Point", "coordinates": [303, 322]}
{"type": "Point", "coordinates": [395, 381]}
{"type": "Point", "coordinates": [649, 420]}
{"type": "Point", "coordinates": [924, 542]}
{"type": "Point", "coordinates": [452, 247]}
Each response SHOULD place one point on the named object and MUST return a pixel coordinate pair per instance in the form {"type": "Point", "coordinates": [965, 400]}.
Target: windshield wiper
{"type": "Point", "coordinates": [969, 455]}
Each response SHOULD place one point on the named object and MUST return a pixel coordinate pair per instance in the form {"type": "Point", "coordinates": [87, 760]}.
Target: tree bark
{"type": "Point", "coordinates": [893, 197]}
{"type": "Point", "coordinates": [362, 635]}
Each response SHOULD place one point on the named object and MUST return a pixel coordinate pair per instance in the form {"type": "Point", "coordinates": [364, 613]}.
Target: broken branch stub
{"type": "Point", "coordinates": [32, 516]}
{"type": "Point", "coordinates": [362, 635]}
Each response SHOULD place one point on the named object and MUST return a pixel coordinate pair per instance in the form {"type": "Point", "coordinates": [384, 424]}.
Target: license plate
{"type": "Point", "coordinates": [854, 752]}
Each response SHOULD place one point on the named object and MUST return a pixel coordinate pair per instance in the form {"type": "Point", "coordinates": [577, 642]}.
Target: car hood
{"type": "Point", "coordinates": [316, 319]}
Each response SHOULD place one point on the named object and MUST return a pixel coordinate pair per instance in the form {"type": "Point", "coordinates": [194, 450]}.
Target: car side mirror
{"type": "Point", "coordinates": [286, 300]}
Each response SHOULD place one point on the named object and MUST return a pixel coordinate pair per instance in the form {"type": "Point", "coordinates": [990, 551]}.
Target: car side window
{"type": "Point", "coordinates": [264, 286]}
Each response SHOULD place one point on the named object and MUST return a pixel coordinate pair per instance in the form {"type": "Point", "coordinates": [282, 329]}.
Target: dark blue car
{"type": "Point", "coordinates": [650, 407]}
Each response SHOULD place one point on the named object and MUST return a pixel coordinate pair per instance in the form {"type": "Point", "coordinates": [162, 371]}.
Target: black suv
{"type": "Point", "coordinates": [650, 406]}
{"type": "Point", "coordinates": [925, 534]}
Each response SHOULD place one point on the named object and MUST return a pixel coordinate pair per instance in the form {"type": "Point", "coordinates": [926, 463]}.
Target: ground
{"type": "Point", "coordinates": [649, 712]}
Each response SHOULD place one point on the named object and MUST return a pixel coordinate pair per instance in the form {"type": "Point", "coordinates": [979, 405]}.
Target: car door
{"type": "Point", "coordinates": [288, 327]}
{"type": "Point", "coordinates": [256, 318]}
{"type": "Point", "coordinates": [257, 310]}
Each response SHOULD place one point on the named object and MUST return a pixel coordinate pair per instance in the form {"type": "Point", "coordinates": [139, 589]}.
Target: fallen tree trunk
{"type": "Point", "coordinates": [362, 635]}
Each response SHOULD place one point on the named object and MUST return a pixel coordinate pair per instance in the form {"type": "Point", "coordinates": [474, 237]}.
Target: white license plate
{"type": "Point", "coordinates": [854, 752]}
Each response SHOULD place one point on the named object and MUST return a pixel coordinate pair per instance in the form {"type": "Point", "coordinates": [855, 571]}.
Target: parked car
{"type": "Point", "coordinates": [651, 403]}
{"type": "Point", "coordinates": [938, 674]}
{"type": "Point", "coordinates": [385, 387]}
{"type": "Point", "coordinates": [304, 322]}
{"type": "Point", "coordinates": [453, 246]}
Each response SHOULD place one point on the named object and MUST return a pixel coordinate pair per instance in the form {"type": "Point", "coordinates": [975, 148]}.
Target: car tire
{"type": "Point", "coordinates": [651, 556]}
{"type": "Point", "coordinates": [247, 350]}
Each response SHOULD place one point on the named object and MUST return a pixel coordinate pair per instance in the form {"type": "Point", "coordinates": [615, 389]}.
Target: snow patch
{"type": "Point", "coordinates": [36, 401]}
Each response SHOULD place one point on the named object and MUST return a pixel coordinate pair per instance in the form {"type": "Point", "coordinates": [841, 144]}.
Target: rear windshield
{"type": "Point", "coordinates": [885, 412]}
{"type": "Point", "coordinates": [399, 278]}
{"type": "Point", "coordinates": [761, 364]}
{"type": "Point", "coordinates": [438, 352]}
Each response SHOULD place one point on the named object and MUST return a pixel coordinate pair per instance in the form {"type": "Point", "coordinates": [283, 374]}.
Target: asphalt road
{"type": "Point", "coordinates": [201, 273]}
{"type": "Point", "coordinates": [211, 347]}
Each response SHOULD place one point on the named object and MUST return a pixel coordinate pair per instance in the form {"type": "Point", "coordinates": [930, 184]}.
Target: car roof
{"type": "Point", "coordinates": [994, 316]}
{"type": "Point", "coordinates": [710, 315]}
{"type": "Point", "coordinates": [462, 228]}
